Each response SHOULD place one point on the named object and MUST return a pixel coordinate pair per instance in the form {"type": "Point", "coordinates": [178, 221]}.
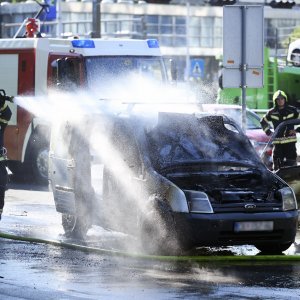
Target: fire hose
{"type": "Point", "coordinates": [213, 259]}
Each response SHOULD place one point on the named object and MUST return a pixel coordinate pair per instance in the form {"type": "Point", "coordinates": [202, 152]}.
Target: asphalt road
{"type": "Point", "coordinates": [47, 271]}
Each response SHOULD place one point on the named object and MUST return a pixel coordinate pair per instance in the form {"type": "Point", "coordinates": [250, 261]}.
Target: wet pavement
{"type": "Point", "coordinates": [44, 271]}
{"type": "Point", "coordinates": [30, 211]}
{"type": "Point", "coordinates": [40, 271]}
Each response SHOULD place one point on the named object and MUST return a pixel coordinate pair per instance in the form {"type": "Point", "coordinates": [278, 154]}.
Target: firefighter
{"type": "Point", "coordinates": [5, 115]}
{"type": "Point", "coordinates": [284, 151]}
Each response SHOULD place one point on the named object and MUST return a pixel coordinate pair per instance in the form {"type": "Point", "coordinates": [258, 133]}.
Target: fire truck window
{"type": "Point", "coordinates": [73, 71]}
{"type": "Point", "coordinates": [102, 71]}
{"type": "Point", "coordinates": [53, 74]}
{"type": "Point", "coordinates": [67, 73]}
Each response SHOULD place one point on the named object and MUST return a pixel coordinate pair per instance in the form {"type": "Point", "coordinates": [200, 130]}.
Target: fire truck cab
{"type": "Point", "coordinates": [33, 67]}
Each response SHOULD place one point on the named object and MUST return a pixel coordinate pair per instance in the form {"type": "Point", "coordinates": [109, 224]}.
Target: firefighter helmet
{"type": "Point", "coordinates": [279, 93]}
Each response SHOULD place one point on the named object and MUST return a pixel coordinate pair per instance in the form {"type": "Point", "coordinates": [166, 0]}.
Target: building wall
{"type": "Point", "coordinates": [189, 33]}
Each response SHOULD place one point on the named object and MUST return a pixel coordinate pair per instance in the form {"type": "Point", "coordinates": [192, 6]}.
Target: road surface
{"type": "Point", "coordinates": [47, 271]}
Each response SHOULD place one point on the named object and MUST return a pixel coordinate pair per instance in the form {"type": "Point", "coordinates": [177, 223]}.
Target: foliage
{"type": "Point", "coordinates": [295, 35]}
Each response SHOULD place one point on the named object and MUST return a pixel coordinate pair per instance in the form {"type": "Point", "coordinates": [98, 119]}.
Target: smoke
{"type": "Point", "coordinates": [103, 154]}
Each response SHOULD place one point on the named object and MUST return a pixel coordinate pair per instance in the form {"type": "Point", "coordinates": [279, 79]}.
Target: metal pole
{"type": "Point", "coordinates": [58, 18]}
{"type": "Point", "coordinates": [96, 12]}
{"type": "Point", "coordinates": [187, 58]}
{"type": "Point", "coordinates": [244, 67]}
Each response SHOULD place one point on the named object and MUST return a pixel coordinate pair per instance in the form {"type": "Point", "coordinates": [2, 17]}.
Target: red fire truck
{"type": "Point", "coordinates": [32, 66]}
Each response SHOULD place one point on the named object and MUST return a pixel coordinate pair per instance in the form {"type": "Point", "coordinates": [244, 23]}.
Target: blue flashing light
{"type": "Point", "coordinates": [153, 43]}
{"type": "Point", "coordinates": [83, 44]}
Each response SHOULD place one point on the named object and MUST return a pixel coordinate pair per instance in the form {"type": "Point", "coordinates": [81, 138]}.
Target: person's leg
{"type": "Point", "coordinates": [3, 183]}
{"type": "Point", "coordinates": [290, 153]}
{"type": "Point", "coordinates": [277, 156]}
{"type": "Point", "coordinates": [2, 195]}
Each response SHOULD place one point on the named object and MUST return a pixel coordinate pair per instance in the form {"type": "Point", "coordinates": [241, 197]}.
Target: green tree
{"type": "Point", "coordinates": [295, 35]}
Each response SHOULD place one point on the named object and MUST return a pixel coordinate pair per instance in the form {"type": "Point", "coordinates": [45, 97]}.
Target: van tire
{"type": "Point", "coordinates": [159, 232]}
{"type": "Point", "coordinates": [75, 226]}
{"type": "Point", "coordinates": [273, 248]}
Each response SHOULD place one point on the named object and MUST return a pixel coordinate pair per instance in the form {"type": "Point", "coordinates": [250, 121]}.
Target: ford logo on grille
{"type": "Point", "coordinates": [250, 206]}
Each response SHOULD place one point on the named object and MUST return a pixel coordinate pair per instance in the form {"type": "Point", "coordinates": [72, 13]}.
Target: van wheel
{"type": "Point", "coordinates": [273, 248]}
{"type": "Point", "coordinates": [159, 233]}
{"type": "Point", "coordinates": [74, 226]}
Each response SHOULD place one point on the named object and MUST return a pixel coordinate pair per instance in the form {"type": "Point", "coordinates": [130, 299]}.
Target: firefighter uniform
{"type": "Point", "coordinates": [5, 115]}
{"type": "Point", "coordinates": [284, 151]}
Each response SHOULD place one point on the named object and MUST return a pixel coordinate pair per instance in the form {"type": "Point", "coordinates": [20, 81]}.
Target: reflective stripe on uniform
{"type": "Point", "coordinates": [274, 117]}
{"type": "Point", "coordinates": [3, 107]}
{"type": "Point", "coordinates": [3, 121]}
{"type": "Point", "coordinates": [265, 119]}
{"type": "Point", "coordinates": [285, 140]}
{"type": "Point", "coordinates": [288, 116]}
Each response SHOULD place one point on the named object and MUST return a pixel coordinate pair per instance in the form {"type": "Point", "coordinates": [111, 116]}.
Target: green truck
{"type": "Point", "coordinates": [279, 73]}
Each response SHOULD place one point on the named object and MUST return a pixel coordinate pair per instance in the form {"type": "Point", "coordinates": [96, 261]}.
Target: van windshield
{"type": "Point", "coordinates": [194, 140]}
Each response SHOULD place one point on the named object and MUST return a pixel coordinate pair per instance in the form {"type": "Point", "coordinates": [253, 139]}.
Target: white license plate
{"type": "Point", "coordinates": [253, 226]}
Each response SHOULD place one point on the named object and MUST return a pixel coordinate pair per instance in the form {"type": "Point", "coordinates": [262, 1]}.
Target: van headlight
{"type": "Point", "coordinates": [288, 199]}
{"type": "Point", "coordinates": [198, 202]}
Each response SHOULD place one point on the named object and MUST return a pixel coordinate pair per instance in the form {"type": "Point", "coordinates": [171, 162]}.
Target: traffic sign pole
{"type": "Point", "coordinates": [243, 67]}
{"type": "Point", "coordinates": [243, 49]}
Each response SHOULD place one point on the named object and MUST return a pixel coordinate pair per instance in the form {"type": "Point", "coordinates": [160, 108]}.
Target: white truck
{"type": "Point", "coordinates": [34, 66]}
{"type": "Point", "coordinates": [293, 56]}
